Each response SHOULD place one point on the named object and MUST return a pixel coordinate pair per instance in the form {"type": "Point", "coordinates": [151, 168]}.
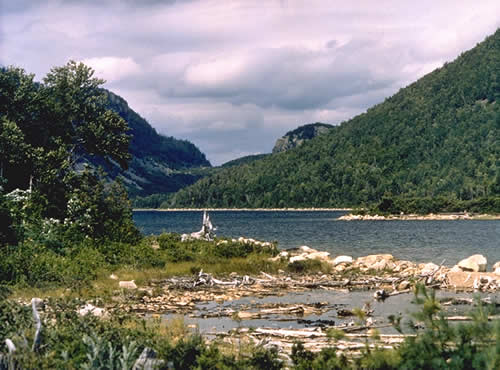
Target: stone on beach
{"type": "Point", "coordinates": [127, 284]}
{"type": "Point", "coordinates": [307, 253]}
{"type": "Point", "coordinates": [429, 268]}
{"type": "Point", "coordinates": [93, 310]}
{"type": "Point", "coordinates": [306, 249]}
{"type": "Point", "coordinates": [476, 263]}
{"type": "Point", "coordinates": [456, 269]}
{"type": "Point", "coordinates": [342, 259]}
{"type": "Point", "coordinates": [496, 268]}
{"type": "Point", "coordinates": [376, 262]}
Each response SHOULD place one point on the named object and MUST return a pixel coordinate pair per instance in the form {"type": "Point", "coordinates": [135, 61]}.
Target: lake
{"type": "Point", "coordinates": [419, 241]}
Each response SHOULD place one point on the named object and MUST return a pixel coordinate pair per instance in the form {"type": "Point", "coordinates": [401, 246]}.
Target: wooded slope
{"type": "Point", "coordinates": [438, 136]}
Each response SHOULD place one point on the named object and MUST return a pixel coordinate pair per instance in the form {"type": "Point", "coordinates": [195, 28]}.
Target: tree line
{"type": "Point", "coordinates": [438, 137]}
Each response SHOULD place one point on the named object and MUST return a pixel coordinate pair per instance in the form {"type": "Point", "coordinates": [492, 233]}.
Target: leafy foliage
{"type": "Point", "coordinates": [72, 341]}
{"type": "Point", "coordinates": [199, 250]}
{"type": "Point", "coordinates": [426, 205]}
{"type": "Point", "coordinates": [436, 137]}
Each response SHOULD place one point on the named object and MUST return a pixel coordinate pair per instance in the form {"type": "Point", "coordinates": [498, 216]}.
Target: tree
{"type": "Point", "coordinates": [46, 128]}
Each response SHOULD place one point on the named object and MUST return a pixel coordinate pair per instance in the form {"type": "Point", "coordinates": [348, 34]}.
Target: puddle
{"type": "Point", "coordinates": [330, 302]}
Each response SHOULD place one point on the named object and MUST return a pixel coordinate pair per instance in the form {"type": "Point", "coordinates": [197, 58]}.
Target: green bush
{"type": "Point", "coordinates": [73, 341]}
{"type": "Point", "coordinates": [308, 265]}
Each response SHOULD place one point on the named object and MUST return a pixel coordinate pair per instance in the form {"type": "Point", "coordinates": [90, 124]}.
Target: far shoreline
{"type": "Point", "coordinates": [417, 217]}
{"type": "Point", "coordinates": [243, 209]}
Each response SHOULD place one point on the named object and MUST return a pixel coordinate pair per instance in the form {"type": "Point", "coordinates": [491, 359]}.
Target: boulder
{"type": "Point", "coordinates": [300, 257]}
{"type": "Point", "coordinates": [306, 249]}
{"type": "Point", "coordinates": [127, 284]}
{"type": "Point", "coordinates": [370, 260]}
{"type": "Point", "coordinates": [379, 265]}
{"type": "Point", "coordinates": [456, 269]}
{"type": "Point", "coordinates": [496, 265]}
{"type": "Point", "coordinates": [93, 310]}
{"type": "Point", "coordinates": [475, 263]}
{"type": "Point", "coordinates": [340, 267]}
{"type": "Point", "coordinates": [322, 256]}
{"type": "Point", "coordinates": [342, 259]}
{"type": "Point", "coordinates": [429, 268]}
{"type": "Point", "coordinates": [403, 285]}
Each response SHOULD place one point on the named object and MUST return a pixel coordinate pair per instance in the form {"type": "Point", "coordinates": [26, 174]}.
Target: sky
{"type": "Point", "coordinates": [233, 76]}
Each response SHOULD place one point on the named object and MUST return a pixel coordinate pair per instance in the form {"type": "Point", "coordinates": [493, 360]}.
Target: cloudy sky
{"type": "Point", "coordinates": [233, 76]}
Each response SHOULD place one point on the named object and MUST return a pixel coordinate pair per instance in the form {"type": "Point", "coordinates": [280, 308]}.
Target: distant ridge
{"type": "Point", "coordinates": [437, 137]}
{"type": "Point", "coordinates": [159, 164]}
{"type": "Point", "coordinates": [244, 160]}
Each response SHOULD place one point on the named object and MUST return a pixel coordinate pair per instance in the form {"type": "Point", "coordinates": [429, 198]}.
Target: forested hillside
{"type": "Point", "coordinates": [159, 164]}
{"type": "Point", "coordinates": [437, 137]}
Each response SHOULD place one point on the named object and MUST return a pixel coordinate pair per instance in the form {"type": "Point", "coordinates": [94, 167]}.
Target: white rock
{"type": "Point", "coordinates": [429, 268]}
{"type": "Point", "coordinates": [127, 284]}
{"type": "Point", "coordinates": [91, 309]}
{"type": "Point", "coordinates": [456, 269]}
{"type": "Point", "coordinates": [497, 271]}
{"type": "Point", "coordinates": [374, 258]}
{"type": "Point", "coordinates": [113, 276]}
{"type": "Point", "coordinates": [306, 249]}
{"type": "Point", "coordinates": [300, 257]}
{"type": "Point", "coordinates": [379, 265]}
{"type": "Point", "coordinates": [476, 263]}
{"type": "Point", "coordinates": [497, 264]}
{"type": "Point", "coordinates": [342, 259]}
{"type": "Point", "coordinates": [322, 256]}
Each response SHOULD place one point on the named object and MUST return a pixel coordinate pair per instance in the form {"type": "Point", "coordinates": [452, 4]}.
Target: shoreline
{"type": "Point", "coordinates": [416, 217]}
{"type": "Point", "coordinates": [242, 209]}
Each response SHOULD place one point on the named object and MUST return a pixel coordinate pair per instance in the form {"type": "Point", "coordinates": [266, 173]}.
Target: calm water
{"type": "Point", "coordinates": [421, 241]}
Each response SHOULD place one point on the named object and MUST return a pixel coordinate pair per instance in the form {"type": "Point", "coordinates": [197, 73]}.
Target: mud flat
{"type": "Point", "coordinates": [355, 298]}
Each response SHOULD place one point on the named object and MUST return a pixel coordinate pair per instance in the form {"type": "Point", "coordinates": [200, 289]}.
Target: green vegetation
{"type": "Point", "coordinates": [70, 340]}
{"type": "Point", "coordinates": [437, 137]}
{"type": "Point", "coordinates": [398, 205]}
{"type": "Point", "coordinates": [244, 160]}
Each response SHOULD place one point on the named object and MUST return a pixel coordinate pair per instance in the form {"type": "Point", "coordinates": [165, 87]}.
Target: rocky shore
{"type": "Point", "coordinates": [411, 217]}
{"type": "Point", "coordinates": [380, 277]}
{"type": "Point", "coordinates": [267, 298]}
{"type": "Point", "coordinates": [381, 273]}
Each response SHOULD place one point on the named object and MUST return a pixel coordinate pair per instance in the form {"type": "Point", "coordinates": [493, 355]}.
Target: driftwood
{"type": "Point", "coordinates": [147, 360]}
{"type": "Point", "coordinates": [38, 324]}
{"type": "Point", "coordinates": [469, 318]}
{"type": "Point", "coordinates": [313, 339]}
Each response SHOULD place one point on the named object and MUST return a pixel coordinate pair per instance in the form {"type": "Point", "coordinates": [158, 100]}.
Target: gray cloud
{"type": "Point", "coordinates": [233, 77]}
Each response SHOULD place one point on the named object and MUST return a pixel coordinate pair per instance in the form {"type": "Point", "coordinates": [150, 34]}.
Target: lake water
{"type": "Point", "coordinates": [420, 241]}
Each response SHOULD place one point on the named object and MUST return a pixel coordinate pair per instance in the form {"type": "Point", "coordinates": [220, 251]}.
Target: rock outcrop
{"type": "Point", "coordinates": [300, 135]}
{"type": "Point", "coordinates": [475, 263]}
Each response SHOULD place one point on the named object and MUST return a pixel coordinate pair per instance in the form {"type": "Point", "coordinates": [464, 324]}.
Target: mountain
{"type": "Point", "coordinates": [159, 164]}
{"type": "Point", "coordinates": [244, 160]}
{"type": "Point", "coordinates": [438, 136]}
{"type": "Point", "coordinates": [301, 134]}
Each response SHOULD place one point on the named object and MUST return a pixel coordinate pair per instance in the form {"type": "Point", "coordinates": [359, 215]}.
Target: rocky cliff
{"type": "Point", "coordinates": [298, 136]}
{"type": "Point", "coordinates": [159, 164]}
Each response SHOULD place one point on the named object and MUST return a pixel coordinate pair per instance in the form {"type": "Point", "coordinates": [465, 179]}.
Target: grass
{"type": "Point", "coordinates": [104, 288]}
